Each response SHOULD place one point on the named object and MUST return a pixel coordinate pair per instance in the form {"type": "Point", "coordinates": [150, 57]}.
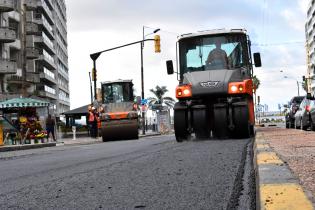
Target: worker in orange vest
{"type": "Point", "coordinates": [92, 122]}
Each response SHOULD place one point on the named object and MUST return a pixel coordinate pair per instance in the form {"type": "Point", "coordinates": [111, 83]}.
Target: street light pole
{"type": "Point", "coordinates": [142, 77]}
{"type": "Point", "coordinates": [297, 82]}
{"type": "Point", "coordinates": [298, 86]}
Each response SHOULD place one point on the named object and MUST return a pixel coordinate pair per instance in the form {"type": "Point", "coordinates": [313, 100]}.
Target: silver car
{"type": "Point", "coordinates": [302, 116]}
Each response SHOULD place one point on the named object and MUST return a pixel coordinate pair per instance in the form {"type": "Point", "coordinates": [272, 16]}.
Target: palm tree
{"type": "Point", "coordinates": [256, 82]}
{"type": "Point", "coordinates": [159, 98]}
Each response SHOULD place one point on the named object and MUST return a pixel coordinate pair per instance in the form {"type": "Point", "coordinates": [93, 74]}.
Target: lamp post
{"type": "Point", "coordinates": [297, 82]}
{"type": "Point", "coordinates": [91, 87]}
{"type": "Point", "coordinates": [142, 80]}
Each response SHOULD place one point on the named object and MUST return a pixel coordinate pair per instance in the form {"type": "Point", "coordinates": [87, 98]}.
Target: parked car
{"type": "Point", "coordinates": [303, 116]}
{"type": "Point", "coordinates": [292, 108]}
{"type": "Point", "coordinates": [312, 114]}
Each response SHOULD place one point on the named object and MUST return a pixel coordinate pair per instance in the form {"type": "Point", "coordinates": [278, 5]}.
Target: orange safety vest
{"type": "Point", "coordinates": [99, 123]}
{"type": "Point", "coordinates": [91, 117]}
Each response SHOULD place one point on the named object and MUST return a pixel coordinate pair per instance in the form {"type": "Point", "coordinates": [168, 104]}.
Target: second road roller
{"type": "Point", "coordinates": [119, 115]}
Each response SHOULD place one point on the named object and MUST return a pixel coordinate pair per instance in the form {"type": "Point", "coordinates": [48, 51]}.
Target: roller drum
{"type": "Point", "coordinates": [120, 130]}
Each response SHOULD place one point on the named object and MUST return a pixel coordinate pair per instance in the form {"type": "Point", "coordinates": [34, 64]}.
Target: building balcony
{"type": "Point", "coordinates": [49, 64]}
{"type": "Point", "coordinates": [32, 28]}
{"type": "Point", "coordinates": [46, 94]}
{"type": "Point", "coordinates": [65, 89]}
{"type": "Point", "coordinates": [47, 78]}
{"type": "Point", "coordinates": [49, 4]}
{"type": "Point", "coordinates": [46, 11]}
{"type": "Point", "coordinates": [7, 35]}
{"type": "Point", "coordinates": [15, 79]}
{"type": "Point", "coordinates": [7, 66]}
{"type": "Point", "coordinates": [32, 53]}
{"type": "Point", "coordinates": [14, 15]}
{"type": "Point", "coordinates": [16, 45]}
{"type": "Point", "coordinates": [67, 102]}
{"type": "Point", "coordinates": [31, 4]}
{"type": "Point", "coordinates": [6, 5]}
{"type": "Point", "coordinates": [32, 77]}
{"type": "Point", "coordinates": [63, 47]}
{"type": "Point", "coordinates": [46, 27]}
{"type": "Point", "coordinates": [63, 73]}
{"type": "Point", "coordinates": [43, 43]}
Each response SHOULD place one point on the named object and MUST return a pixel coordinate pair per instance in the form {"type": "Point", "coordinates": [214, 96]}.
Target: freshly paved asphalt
{"type": "Point", "coordinates": [149, 173]}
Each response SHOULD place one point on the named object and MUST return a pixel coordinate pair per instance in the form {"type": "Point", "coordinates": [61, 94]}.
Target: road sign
{"type": "Point", "coordinates": [144, 101]}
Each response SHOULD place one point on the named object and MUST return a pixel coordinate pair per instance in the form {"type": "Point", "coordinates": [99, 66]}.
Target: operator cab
{"type": "Point", "coordinates": [214, 50]}
{"type": "Point", "coordinates": [117, 91]}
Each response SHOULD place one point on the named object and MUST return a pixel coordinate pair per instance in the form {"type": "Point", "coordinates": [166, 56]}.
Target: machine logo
{"type": "Point", "coordinates": [209, 84]}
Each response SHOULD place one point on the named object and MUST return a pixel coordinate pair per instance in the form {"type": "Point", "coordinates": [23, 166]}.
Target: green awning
{"type": "Point", "coordinates": [23, 102]}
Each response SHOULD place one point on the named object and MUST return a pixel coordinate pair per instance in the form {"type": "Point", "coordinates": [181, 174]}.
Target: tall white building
{"type": "Point", "coordinates": [33, 51]}
{"type": "Point", "coordinates": [310, 40]}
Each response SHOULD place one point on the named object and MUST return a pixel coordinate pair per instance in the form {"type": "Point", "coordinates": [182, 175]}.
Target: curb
{"type": "Point", "coordinates": [148, 135]}
{"type": "Point", "coordinates": [62, 143]}
{"type": "Point", "coordinates": [276, 186]}
{"type": "Point", "coordinates": [26, 146]}
{"type": "Point", "coordinates": [52, 144]}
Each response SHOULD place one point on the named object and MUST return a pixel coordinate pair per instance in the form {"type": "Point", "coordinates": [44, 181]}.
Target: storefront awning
{"type": "Point", "coordinates": [23, 102]}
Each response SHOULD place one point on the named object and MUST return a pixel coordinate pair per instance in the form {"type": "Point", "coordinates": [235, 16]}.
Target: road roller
{"type": "Point", "coordinates": [119, 115]}
{"type": "Point", "coordinates": [215, 90]}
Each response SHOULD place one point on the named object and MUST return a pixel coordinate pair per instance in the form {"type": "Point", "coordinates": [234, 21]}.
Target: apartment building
{"type": "Point", "coordinates": [310, 39]}
{"type": "Point", "coordinates": [34, 56]}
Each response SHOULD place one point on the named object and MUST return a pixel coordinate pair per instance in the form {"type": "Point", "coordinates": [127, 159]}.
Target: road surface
{"type": "Point", "coordinates": [149, 173]}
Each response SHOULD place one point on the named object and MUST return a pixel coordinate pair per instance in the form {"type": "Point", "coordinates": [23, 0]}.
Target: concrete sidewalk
{"type": "Point", "coordinates": [284, 162]}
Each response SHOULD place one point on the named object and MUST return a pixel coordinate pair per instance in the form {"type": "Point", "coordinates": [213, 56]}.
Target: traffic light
{"type": "Point", "coordinates": [94, 76]}
{"type": "Point", "coordinates": [157, 45]}
{"type": "Point", "coordinates": [258, 99]}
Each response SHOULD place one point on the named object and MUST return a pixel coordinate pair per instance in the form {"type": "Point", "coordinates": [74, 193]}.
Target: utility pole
{"type": "Point", "coordinates": [142, 86]}
{"type": "Point", "coordinates": [308, 79]}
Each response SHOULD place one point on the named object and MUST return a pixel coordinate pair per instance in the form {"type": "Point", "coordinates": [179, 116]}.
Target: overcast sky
{"type": "Point", "coordinates": [276, 29]}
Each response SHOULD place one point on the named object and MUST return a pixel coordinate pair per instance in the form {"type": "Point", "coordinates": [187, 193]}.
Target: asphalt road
{"type": "Point", "coordinates": [150, 173]}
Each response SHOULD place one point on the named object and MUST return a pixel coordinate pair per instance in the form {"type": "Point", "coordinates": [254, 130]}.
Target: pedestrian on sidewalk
{"type": "Point", "coordinates": [50, 127]}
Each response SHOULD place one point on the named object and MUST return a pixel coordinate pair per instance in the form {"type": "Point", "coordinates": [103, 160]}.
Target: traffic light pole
{"type": "Point", "coordinates": [94, 72]}
{"type": "Point", "coordinates": [94, 57]}
{"type": "Point", "coordinates": [142, 89]}
{"type": "Point", "coordinates": [91, 87]}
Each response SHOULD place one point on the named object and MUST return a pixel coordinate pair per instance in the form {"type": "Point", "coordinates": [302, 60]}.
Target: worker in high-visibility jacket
{"type": "Point", "coordinates": [92, 122]}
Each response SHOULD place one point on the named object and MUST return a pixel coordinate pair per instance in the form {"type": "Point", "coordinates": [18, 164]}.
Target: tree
{"type": "Point", "coordinates": [159, 98]}
{"type": "Point", "coordinates": [305, 85]}
{"type": "Point", "coordinates": [256, 82]}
